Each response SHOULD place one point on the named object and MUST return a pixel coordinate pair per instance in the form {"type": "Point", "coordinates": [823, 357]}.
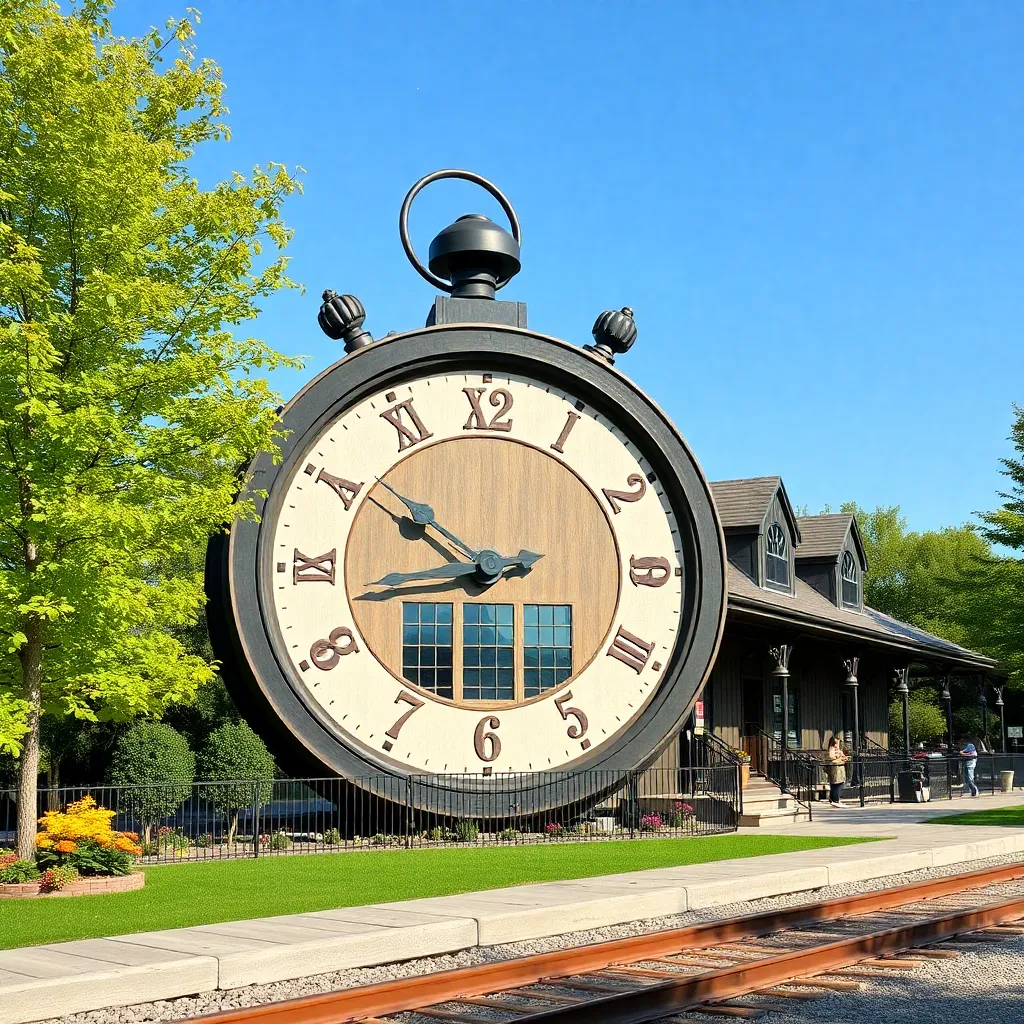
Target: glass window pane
{"type": "Point", "coordinates": [427, 656]}
{"type": "Point", "coordinates": [561, 636]}
{"type": "Point", "coordinates": [547, 635]}
{"type": "Point", "coordinates": [504, 657]}
{"type": "Point", "coordinates": [488, 656]}
{"type": "Point", "coordinates": [471, 656]}
{"type": "Point", "coordinates": [410, 612]}
{"type": "Point", "coordinates": [410, 634]}
{"type": "Point", "coordinates": [547, 656]}
{"type": "Point", "coordinates": [504, 614]}
{"type": "Point", "coordinates": [411, 674]}
{"type": "Point", "coordinates": [444, 613]}
{"type": "Point", "coordinates": [443, 634]}
{"type": "Point", "coordinates": [471, 634]}
{"type": "Point", "coordinates": [410, 656]}
{"type": "Point", "coordinates": [487, 613]}
{"type": "Point", "coordinates": [444, 677]}
{"type": "Point", "coordinates": [426, 634]}
{"type": "Point", "coordinates": [561, 674]}
{"type": "Point", "coordinates": [488, 677]}
{"type": "Point", "coordinates": [563, 657]}
{"type": "Point", "coordinates": [444, 655]}
{"type": "Point", "coordinates": [487, 634]}
{"type": "Point", "coordinates": [531, 636]}
{"type": "Point", "coordinates": [531, 657]}
{"type": "Point", "coordinates": [470, 677]}
{"type": "Point", "coordinates": [470, 613]}
{"type": "Point", "coordinates": [529, 615]}
{"type": "Point", "coordinates": [505, 636]}
{"type": "Point", "coordinates": [426, 677]}
{"type": "Point", "coordinates": [426, 613]}
{"type": "Point", "coordinates": [547, 615]}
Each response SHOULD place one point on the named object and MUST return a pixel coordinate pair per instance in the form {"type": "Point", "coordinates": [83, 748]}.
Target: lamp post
{"type": "Point", "coordinates": [947, 701]}
{"type": "Point", "coordinates": [781, 672]}
{"type": "Point", "coordinates": [1002, 716]}
{"type": "Point", "coordinates": [904, 692]}
{"type": "Point", "coordinates": [850, 664]}
{"type": "Point", "coordinates": [983, 701]}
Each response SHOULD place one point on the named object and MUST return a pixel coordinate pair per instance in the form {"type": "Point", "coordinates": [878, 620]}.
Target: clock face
{"type": "Point", "coordinates": [482, 554]}
{"type": "Point", "coordinates": [474, 572]}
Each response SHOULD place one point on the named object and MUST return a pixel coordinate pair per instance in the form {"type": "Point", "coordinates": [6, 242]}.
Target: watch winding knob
{"type": "Point", "coordinates": [341, 318]}
{"type": "Point", "coordinates": [614, 333]}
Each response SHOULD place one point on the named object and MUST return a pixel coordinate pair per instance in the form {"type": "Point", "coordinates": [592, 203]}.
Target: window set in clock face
{"type": "Point", "coordinates": [474, 572]}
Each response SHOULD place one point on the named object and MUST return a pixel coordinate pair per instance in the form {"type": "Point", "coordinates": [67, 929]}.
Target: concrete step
{"type": "Point", "coordinates": [752, 817]}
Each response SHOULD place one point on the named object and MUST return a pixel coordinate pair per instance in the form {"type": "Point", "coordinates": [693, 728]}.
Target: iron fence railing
{"type": "Point", "coordinates": [212, 820]}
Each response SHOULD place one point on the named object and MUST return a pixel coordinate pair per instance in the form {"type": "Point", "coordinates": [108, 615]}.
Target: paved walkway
{"type": "Point", "coordinates": [48, 981]}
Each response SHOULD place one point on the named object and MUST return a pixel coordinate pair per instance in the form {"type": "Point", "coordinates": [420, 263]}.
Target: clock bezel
{"type": "Point", "coordinates": [240, 593]}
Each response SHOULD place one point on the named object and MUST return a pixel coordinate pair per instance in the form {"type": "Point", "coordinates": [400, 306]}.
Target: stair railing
{"type": "Point", "coordinates": [801, 770]}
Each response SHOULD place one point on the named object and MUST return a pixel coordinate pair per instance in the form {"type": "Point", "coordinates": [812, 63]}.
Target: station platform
{"type": "Point", "coordinates": [39, 982]}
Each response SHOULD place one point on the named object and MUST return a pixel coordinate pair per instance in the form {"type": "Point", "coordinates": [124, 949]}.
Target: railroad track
{"type": "Point", "coordinates": [773, 959]}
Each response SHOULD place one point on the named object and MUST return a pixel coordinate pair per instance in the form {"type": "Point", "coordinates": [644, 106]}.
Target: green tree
{"type": "Point", "coordinates": [233, 753]}
{"type": "Point", "coordinates": [157, 758]}
{"type": "Point", "coordinates": [126, 402]}
{"type": "Point", "coordinates": [927, 722]}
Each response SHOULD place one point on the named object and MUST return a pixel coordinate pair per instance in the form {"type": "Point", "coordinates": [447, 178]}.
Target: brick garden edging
{"type": "Point", "coordinates": [87, 886]}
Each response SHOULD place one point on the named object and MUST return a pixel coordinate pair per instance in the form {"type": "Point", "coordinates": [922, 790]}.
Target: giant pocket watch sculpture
{"type": "Point", "coordinates": [484, 556]}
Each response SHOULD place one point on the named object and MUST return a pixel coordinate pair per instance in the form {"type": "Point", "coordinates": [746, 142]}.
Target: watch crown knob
{"type": "Point", "coordinates": [614, 333]}
{"type": "Point", "coordinates": [341, 318]}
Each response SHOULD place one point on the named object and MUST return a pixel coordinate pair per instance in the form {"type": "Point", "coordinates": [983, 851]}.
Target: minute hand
{"type": "Point", "coordinates": [424, 515]}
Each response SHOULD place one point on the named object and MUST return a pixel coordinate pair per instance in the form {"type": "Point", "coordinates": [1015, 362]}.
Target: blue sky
{"type": "Point", "coordinates": [815, 209]}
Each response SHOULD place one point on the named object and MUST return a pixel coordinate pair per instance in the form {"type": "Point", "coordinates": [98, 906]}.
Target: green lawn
{"type": "Point", "coordinates": [188, 894]}
{"type": "Point", "coordinates": [1013, 816]}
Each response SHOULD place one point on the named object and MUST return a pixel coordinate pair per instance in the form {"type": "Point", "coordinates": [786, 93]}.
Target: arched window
{"type": "Point", "coordinates": [777, 557]}
{"type": "Point", "coordinates": [851, 596]}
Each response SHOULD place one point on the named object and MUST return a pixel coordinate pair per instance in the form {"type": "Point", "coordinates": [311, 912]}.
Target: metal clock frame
{"type": "Point", "coordinates": [239, 592]}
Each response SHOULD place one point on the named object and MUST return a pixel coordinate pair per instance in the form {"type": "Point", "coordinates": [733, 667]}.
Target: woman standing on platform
{"type": "Point", "coordinates": [836, 771]}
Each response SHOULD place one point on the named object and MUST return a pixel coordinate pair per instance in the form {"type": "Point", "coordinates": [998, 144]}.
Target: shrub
{"type": "Point", "coordinates": [466, 831]}
{"type": "Point", "coordinates": [55, 879]}
{"type": "Point", "coordinates": [14, 870]}
{"type": "Point", "coordinates": [651, 822]}
{"type": "Point", "coordinates": [332, 837]}
{"type": "Point", "coordinates": [204, 840]}
{"type": "Point", "coordinates": [157, 757]}
{"type": "Point", "coordinates": [82, 837]}
{"type": "Point", "coordinates": [234, 753]}
{"type": "Point", "coordinates": [279, 841]}
{"type": "Point", "coordinates": [554, 828]}
{"type": "Point", "coordinates": [509, 834]}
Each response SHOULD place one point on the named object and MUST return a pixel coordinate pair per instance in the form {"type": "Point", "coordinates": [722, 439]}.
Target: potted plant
{"type": "Point", "coordinates": [744, 759]}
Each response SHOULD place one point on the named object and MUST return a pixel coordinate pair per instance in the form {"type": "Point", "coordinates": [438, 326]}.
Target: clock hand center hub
{"type": "Point", "coordinates": [489, 566]}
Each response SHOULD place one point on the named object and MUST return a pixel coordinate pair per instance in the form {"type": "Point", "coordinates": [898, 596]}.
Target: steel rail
{"type": "Point", "coordinates": [373, 1001]}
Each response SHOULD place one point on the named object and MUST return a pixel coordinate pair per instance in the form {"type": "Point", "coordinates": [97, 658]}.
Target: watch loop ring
{"type": "Point", "coordinates": [476, 179]}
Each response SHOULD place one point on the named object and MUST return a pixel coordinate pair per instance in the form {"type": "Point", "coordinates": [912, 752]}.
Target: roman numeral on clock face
{"type": "Point", "coordinates": [630, 650]}
{"type": "Point", "coordinates": [344, 489]}
{"type": "Point", "coordinates": [314, 569]}
{"type": "Point", "coordinates": [478, 418]}
{"type": "Point", "coordinates": [404, 418]}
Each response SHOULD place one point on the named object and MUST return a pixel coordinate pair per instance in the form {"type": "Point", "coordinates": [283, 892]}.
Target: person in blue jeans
{"type": "Point", "coordinates": [970, 756]}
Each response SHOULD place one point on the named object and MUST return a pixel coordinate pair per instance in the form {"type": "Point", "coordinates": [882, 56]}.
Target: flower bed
{"type": "Point", "coordinates": [90, 885]}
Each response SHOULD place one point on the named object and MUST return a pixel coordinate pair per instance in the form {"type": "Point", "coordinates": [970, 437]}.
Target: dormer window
{"type": "Point", "coordinates": [851, 589]}
{"type": "Point", "coordinates": [776, 558]}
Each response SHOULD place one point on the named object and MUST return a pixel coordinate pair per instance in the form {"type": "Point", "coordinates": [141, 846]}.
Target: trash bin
{"type": "Point", "coordinates": [910, 788]}
{"type": "Point", "coordinates": [1006, 782]}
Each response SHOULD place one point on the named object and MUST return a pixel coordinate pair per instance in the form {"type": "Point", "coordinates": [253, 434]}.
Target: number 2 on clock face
{"type": "Point", "coordinates": [496, 547]}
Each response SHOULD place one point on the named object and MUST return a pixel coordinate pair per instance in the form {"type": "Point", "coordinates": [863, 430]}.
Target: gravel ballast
{"type": "Point", "coordinates": [991, 986]}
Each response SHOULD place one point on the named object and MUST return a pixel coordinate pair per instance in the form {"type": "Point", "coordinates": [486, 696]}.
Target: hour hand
{"type": "Point", "coordinates": [424, 516]}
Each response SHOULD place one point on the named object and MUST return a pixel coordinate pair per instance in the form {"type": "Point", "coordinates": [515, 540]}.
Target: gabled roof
{"type": "Point", "coordinates": [807, 609]}
{"type": "Point", "coordinates": [742, 504]}
{"type": "Point", "coordinates": [824, 537]}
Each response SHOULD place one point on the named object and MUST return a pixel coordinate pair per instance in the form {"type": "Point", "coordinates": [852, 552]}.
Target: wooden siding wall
{"type": "Point", "coordinates": [821, 576]}
{"type": "Point", "coordinates": [817, 677]}
{"type": "Point", "coordinates": [741, 550]}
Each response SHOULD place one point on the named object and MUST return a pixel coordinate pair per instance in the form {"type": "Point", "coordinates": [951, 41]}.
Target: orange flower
{"type": "Point", "coordinates": [66, 846]}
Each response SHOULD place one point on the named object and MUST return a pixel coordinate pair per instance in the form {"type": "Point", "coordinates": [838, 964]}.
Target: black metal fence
{"type": "Point", "coordinates": [874, 779]}
{"type": "Point", "coordinates": [211, 820]}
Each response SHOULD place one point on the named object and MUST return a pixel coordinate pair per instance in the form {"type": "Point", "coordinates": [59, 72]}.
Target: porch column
{"type": "Point", "coordinates": [901, 688]}
{"type": "Point", "coordinates": [1002, 716]}
{"type": "Point", "coordinates": [850, 664]}
{"type": "Point", "coordinates": [781, 672]}
{"type": "Point", "coordinates": [947, 700]}
{"type": "Point", "coordinates": [983, 701]}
